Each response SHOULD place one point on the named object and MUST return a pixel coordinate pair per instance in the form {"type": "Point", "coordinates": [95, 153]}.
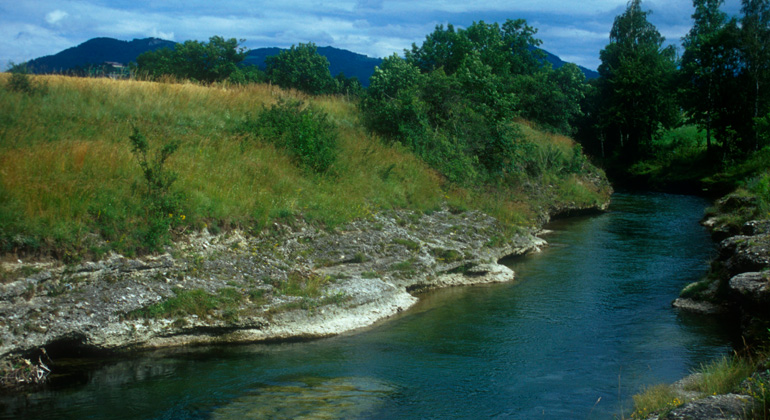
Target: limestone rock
{"type": "Point", "coordinates": [699, 306]}
{"type": "Point", "coordinates": [716, 407]}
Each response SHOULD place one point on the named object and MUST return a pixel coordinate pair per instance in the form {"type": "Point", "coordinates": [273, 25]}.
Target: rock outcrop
{"type": "Point", "coordinates": [293, 281]}
{"type": "Point", "coordinates": [739, 284]}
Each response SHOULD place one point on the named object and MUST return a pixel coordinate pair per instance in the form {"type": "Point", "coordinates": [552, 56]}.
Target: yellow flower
{"type": "Point", "coordinates": [170, 215]}
{"type": "Point", "coordinates": [181, 217]}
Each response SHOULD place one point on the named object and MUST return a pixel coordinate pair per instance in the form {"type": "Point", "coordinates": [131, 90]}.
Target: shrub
{"type": "Point", "coordinates": [304, 131]}
{"type": "Point", "coordinates": [22, 82]}
{"type": "Point", "coordinates": [161, 203]}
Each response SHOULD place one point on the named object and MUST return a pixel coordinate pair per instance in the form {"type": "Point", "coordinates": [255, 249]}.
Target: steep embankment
{"type": "Point", "coordinates": [251, 243]}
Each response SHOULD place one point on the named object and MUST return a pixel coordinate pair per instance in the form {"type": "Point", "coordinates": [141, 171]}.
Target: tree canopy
{"type": "Point", "coordinates": [207, 62]}
{"type": "Point", "coordinates": [636, 81]}
{"type": "Point", "coordinates": [454, 99]}
{"type": "Point", "coordinates": [302, 68]}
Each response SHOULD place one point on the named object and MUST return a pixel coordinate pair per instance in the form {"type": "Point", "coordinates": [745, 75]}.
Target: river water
{"type": "Point", "coordinates": [587, 324]}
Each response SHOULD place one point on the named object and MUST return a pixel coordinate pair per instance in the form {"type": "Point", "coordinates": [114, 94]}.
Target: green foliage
{"type": "Point", "coordinates": [635, 84]}
{"type": "Point", "coordinates": [304, 131]}
{"type": "Point", "coordinates": [162, 203]}
{"type": "Point", "coordinates": [759, 186]}
{"type": "Point", "coordinates": [721, 86]}
{"type": "Point", "coordinates": [758, 387]}
{"type": "Point", "coordinates": [454, 100]}
{"type": "Point", "coordinates": [506, 49]}
{"type": "Point", "coordinates": [210, 62]}
{"type": "Point", "coordinates": [301, 68]}
{"type": "Point", "coordinates": [709, 64]}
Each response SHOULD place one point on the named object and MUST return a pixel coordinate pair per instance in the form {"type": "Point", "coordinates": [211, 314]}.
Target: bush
{"type": "Point", "coordinates": [162, 205]}
{"type": "Point", "coordinates": [304, 131]}
{"type": "Point", "coordinates": [22, 82]}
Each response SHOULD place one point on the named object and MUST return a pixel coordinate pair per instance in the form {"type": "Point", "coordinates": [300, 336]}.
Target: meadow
{"type": "Point", "coordinates": [72, 184]}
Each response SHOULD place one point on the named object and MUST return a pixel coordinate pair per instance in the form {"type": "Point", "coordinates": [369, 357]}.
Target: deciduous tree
{"type": "Point", "coordinates": [636, 81]}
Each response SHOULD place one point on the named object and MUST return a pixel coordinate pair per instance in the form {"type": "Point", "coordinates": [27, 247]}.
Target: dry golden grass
{"type": "Point", "coordinates": [67, 169]}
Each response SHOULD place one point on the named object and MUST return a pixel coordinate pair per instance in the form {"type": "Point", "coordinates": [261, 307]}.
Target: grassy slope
{"type": "Point", "coordinates": [70, 185]}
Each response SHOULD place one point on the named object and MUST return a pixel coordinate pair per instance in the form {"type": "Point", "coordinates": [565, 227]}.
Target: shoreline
{"type": "Point", "coordinates": [367, 271]}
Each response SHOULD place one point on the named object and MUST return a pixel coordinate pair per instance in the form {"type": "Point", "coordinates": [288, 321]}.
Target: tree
{"type": "Point", "coordinates": [392, 104]}
{"type": "Point", "coordinates": [210, 62]}
{"type": "Point", "coordinates": [709, 64]}
{"type": "Point", "coordinates": [755, 40]}
{"type": "Point", "coordinates": [509, 49]}
{"type": "Point", "coordinates": [301, 67]}
{"type": "Point", "coordinates": [635, 82]}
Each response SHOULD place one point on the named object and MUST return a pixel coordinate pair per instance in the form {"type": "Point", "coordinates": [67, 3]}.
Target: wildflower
{"type": "Point", "coordinates": [182, 217]}
{"type": "Point", "coordinates": [170, 215]}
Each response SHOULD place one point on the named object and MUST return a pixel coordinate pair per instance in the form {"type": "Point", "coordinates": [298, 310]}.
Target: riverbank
{"type": "Point", "coordinates": [737, 286]}
{"type": "Point", "coordinates": [141, 214]}
{"type": "Point", "coordinates": [291, 282]}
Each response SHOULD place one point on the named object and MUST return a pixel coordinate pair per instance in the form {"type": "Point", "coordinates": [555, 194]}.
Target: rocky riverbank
{"type": "Point", "coordinates": [739, 279]}
{"type": "Point", "coordinates": [738, 285]}
{"type": "Point", "coordinates": [292, 281]}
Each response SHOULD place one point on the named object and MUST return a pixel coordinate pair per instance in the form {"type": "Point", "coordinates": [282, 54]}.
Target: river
{"type": "Point", "coordinates": [587, 324]}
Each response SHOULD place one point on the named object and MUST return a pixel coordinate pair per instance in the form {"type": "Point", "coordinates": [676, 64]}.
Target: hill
{"type": "Point", "coordinates": [102, 50]}
{"type": "Point", "coordinates": [557, 62]}
{"type": "Point", "coordinates": [95, 52]}
{"type": "Point", "coordinates": [340, 61]}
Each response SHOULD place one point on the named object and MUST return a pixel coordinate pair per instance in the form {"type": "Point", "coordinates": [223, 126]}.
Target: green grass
{"type": "Point", "coordinates": [407, 243]}
{"type": "Point", "coordinates": [70, 186]}
{"type": "Point", "coordinates": [723, 375]}
{"type": "Point", "coordinates": [655, 399]}
{"type": "Point", "coordinates": [191, 302]}
{"type": "Point", "coordinates": [302, 285]}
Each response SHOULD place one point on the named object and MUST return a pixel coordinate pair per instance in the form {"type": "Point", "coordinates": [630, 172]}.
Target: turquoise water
{"type": "Point", "coordinates": [587, 324]}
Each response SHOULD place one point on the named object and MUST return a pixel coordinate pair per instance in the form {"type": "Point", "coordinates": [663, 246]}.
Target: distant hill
{"type": "Point", "coordinates": [557, 62]}
{"type": "Point", "coordinates": [107, 50]}
{"type": "Point", "coordinates": [340, 61]}
{"type": "Point", "coordinates": [96, 51]}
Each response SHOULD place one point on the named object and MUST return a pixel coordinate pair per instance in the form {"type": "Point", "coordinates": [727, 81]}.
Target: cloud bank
{"type": "Point", "coordinates": [574, 30]}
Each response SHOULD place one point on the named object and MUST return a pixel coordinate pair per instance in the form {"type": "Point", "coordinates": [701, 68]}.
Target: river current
{"type": "Point", "coordinates": [587, 324]}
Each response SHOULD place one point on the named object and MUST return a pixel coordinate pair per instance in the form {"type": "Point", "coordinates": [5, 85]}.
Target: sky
{"type": "Point", "coordinates": [575, 30]}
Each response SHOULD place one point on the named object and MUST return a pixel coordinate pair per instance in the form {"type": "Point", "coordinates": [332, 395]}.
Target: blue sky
{"type": "Point", "coordinates": [574, 30]}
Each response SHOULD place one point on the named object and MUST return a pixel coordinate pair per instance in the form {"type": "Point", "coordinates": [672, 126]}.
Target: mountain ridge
{"type": "Point", "coordinates": [100, 50]}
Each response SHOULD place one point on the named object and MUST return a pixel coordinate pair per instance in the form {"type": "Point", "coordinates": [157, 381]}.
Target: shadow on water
{"type": "Point", "coordinates": [587, 323]}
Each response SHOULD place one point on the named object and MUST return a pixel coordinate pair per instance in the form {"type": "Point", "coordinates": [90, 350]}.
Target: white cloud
{"type": "Point", "coordinates": [26, 41]}
{"type": "Point", "coordinates": [55, 17]}
{"type": "Point", "coordinates": [169, 36]}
